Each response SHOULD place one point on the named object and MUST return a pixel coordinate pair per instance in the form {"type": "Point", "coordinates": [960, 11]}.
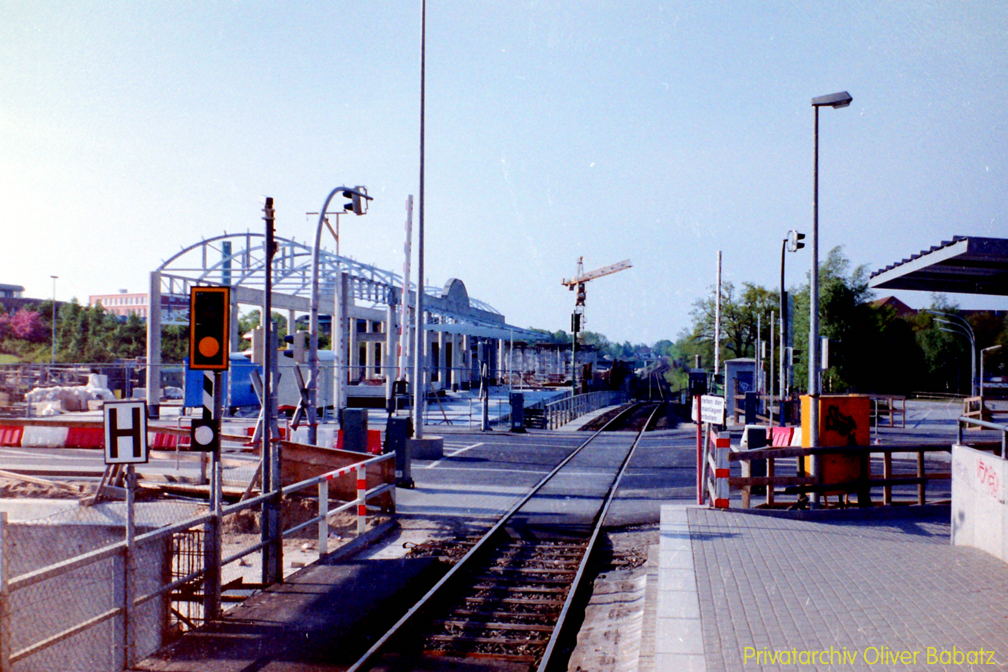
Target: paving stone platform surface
{"type": "Point", "coordinates": [841, 592]}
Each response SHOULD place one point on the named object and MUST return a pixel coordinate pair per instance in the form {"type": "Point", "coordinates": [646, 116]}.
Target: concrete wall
{"type": "Point", "coordinates": [979, 507]}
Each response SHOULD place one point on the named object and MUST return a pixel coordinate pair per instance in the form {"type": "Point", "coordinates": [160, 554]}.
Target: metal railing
{"type": "Point", "coordinates": [966, 422]}
{"type": "Point", "coordinates": [559, 413]}
{"type": "Point", "coordinates": [124, 593]}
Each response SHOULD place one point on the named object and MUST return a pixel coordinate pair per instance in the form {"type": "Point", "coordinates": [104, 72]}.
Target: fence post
{"type": "Point", "coordinates": [323, 526]}
{"type": "Point", "coordinates": [887, 474]}
{"type": "Point", "coordinates": [5, 638]}
{"type": "Point", "coordinates": [129, 593]}
{"type": "Point", "coordinates": [361, 501]}
{"type": "Point", "coordinates": [700, 461]}
{"type": "Point", "coordinates": [920, 474]}
{"type": "Point", "coordinates": [212, 546]}
{"type": "Point", "coordinates": [746, 472]}
{"type": "Point", "coordinates": [771, 471]}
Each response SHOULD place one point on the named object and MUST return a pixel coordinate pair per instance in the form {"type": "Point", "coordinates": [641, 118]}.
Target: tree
{"type": "Point", "coordinates": [740, 317]}
{"type": "Point", "coordinates": [847, 319]}
{"type": "Point", "coordinates": [27, 325]}
{"type": "Point", "coordinates": [129, 339]}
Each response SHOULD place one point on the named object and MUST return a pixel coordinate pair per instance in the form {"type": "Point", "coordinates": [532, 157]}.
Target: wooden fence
{"type": "Point", "coordinates": [861, 486]}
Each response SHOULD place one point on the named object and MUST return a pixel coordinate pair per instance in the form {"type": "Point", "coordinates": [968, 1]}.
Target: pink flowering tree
{"type": "Point", "coordinates": [27, 325]}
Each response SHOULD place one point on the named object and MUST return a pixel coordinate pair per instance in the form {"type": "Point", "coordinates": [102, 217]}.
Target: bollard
{"type": "Point", "coordinates": [517, 400]}
{"type": "Point", "coordinates": [397, 432]}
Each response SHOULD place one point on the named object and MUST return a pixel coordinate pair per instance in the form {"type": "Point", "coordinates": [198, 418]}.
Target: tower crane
{"type": "Point", "coordinates": [578, 282]}
{"type": "Point", "coordinates": [581, 278]}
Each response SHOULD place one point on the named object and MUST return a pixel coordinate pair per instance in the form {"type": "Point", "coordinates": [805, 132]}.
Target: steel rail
{"type": "Point", "coordinates": [575, 584]}
{"type": "Point", "coordinates": [362, 663]}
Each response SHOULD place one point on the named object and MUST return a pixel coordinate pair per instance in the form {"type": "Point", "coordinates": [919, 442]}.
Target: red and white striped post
{"type": "Point", "coordinates": [361, 502]}
{"type": "Point", "coordinates": [717, 456]}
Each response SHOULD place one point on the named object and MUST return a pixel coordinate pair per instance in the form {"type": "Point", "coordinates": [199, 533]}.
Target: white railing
{"type": "Point", "coordinates": [559, 413]}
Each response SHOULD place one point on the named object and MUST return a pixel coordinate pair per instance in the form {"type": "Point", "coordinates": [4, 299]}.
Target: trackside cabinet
{"type": "Point", "coordinates": [844, 420]}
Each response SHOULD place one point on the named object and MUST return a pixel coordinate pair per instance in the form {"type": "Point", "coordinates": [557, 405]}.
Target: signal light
{"type": "Point", "coordinates": [795, 241]}
{"type": "Point", "coordinates": [357, 202]}
{"type": "Point", "coordinates": [209, 318]}
{"type": "Point", "coordinates": [299, 350]}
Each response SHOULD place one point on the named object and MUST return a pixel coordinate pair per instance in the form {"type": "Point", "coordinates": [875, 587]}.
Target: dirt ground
{"type": "Point", "coordinates": [15, 488]}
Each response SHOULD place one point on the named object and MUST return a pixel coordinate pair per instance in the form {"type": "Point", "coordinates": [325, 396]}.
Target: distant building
{"type": "Point", "coordinates": [11, 291]}
{"type": "Point", "coordinates": [12, 298]}
{"type": "Point", "coordinates": [897, 306]}
{"type": "Point", "coordinates": [122, 304]}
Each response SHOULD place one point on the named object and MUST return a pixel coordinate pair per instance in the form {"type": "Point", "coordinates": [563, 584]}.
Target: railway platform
{"type": "Point", "coordinates": [730, 589]}
{"type": "Point", "coordinates": [877, 590]}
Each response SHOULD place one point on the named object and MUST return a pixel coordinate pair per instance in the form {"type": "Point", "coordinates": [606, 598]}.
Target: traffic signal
{"type": "Point", "coordinates": [299, 349]}
{"type": "Point", "coordinates": [209, 313]}
{"type": "Point", "coordinates": [795, 241]}
{"type": "Point", "coordinates": [357, 200]}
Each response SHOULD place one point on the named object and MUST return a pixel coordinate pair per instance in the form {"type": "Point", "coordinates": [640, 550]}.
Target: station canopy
{"type": "Point", "coordinates": [963, 265]}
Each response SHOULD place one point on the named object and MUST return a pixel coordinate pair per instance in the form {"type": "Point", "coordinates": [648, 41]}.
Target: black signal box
{"type": "Point", "coordinates": [209, 326]}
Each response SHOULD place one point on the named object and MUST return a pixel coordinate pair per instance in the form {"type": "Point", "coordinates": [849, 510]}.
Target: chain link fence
{"type": "Point", "coordinates": [100, 586]}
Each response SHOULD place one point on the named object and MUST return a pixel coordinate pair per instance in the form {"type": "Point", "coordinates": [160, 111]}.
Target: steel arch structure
{"type": "Point", "coordinates": [239, 261]}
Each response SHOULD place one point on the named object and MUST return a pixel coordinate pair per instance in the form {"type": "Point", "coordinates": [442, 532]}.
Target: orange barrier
{"type": "Point", "coordinates": [780, 437]}
{"type": "Point", "coordinates": [85, 437]}
{"type": "Point", "coordinates": [162, 440]}
{"type": "Point", "coordinates": [374, 443]}
{"type": "Point", "coordinates": [10, 436]}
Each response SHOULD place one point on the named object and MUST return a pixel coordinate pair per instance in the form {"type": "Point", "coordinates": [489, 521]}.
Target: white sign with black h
{"type": "Point", "coordinates": [125, 432]}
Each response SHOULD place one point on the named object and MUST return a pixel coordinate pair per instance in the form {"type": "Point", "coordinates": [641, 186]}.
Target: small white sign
{"type": "Point", "coordinates": [712, 409]}
{"type": "Point", "coordinates": [125, 432]}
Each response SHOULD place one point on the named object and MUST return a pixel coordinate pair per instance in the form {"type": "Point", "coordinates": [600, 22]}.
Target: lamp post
{"type": "Point", "coordinates": [420, 346]}
{"type": "Point", "coordinates": [954, 328]}
{"type": "Point", "coordinates": [963, 328]}
{"type": "Point", "coordinates": [993, 348]}
{"type": "Point", "coordinates": [792, 243]}
{"type": "Point", "coordinates": [836, 101]}
{"type": "Point", "coordinates": [358, 204]}
{"type": "Point", "coordinates": [54, 279]}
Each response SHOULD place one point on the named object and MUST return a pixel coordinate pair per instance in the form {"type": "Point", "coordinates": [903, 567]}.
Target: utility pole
{"type": "Point", "coordinates": [717, 320]}
{"type": "Point", "coordinates": [419, 349]}
{"type": "Point", "coordinates": [272, 557]}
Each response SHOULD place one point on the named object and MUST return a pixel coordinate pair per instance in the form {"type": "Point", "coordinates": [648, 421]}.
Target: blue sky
{"type": "Point", "coordinates": [656, 131]}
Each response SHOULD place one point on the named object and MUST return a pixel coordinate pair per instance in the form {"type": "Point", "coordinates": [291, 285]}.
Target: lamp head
{"type": "Point", "coordinates": [834, 100]}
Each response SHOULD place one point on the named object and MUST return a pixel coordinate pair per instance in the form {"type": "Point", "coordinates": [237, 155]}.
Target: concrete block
{"type": "Point", "coordinates": [427, 448]}
{"type": "Point", "coordinates": [979, 506]}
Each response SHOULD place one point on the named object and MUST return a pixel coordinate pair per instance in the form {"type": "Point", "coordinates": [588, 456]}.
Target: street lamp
{"type": "Point", "coordinates": [358, 204]}
{"type": "Point", "coordinates": [836, 101]}
{"type": "Point", "coordinates": [963, 328]}
{"type": "Point", "coordinates": [54, 279]}
{"type": "Point", "coordinates": [993, 348]}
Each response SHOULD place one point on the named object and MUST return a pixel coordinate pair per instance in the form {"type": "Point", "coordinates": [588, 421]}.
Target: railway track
{"type": "Point", "coordinates": [505, 604]}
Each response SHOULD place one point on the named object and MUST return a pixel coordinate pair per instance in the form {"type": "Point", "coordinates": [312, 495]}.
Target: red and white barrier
{"type": "Point", "coordinates": [718, 445]}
